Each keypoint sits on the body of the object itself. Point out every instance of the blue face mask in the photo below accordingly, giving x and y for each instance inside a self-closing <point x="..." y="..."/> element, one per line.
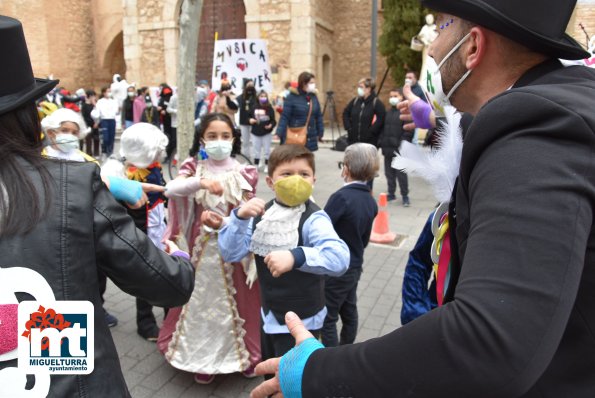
<point x="66" y="143"/>
<point x="218" y="150"/>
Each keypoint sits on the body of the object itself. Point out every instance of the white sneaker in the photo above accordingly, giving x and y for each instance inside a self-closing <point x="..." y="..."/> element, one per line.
<point x="266" y="169"/>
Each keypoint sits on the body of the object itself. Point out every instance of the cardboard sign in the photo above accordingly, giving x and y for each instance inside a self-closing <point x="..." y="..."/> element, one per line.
<point x="236" y="60"/>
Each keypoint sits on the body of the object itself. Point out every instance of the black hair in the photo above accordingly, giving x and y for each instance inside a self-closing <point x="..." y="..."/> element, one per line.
<point x="90" y="93"/>
<point x="414" y="74"/>
<point x="21" y="207"/>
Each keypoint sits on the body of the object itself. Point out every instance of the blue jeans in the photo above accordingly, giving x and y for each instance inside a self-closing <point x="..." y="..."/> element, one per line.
<point x="108" y="132"/>
<point x="128" y="123"/>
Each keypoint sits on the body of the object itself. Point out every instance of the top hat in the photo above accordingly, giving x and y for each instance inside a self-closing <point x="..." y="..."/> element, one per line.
<point x="17" y="84"/>
<point x="537" y="24"/>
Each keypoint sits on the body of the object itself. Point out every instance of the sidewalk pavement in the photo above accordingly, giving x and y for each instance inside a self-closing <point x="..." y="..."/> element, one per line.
<point x="379" y="294"/>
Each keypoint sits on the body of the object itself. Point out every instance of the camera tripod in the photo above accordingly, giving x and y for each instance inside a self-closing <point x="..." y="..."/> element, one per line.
<point x="333" y="121"/>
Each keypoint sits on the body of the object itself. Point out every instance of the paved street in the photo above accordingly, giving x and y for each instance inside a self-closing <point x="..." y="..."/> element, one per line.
<point x="379" y="302"/>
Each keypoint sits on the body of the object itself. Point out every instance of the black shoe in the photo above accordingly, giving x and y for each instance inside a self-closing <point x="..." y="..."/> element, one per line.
<point x="110" y="319"/>
<point x="406" y="202"/>
<point x="390" y="198"/>
<point x="150" y="333"/>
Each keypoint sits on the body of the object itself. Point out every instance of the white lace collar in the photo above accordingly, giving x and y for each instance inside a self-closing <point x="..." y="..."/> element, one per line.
<point x="234" y="186"/>
<point x="277" y="230"/>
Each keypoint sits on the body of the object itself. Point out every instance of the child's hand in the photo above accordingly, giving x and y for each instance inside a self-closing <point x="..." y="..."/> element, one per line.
<point x="211" y="219"/>
<point x="279" y="262"/>
<point x="252" y="208"/>
<point x="214" y="187"/>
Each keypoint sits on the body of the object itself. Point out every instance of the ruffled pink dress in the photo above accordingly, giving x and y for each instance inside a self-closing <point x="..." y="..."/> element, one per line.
<point x="218" y="330"/>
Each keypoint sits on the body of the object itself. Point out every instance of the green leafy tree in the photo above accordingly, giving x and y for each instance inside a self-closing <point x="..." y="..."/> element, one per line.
<point x="403" y="20"/>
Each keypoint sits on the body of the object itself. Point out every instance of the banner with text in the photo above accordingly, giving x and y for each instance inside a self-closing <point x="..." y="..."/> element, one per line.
<point x="236" y="60"/>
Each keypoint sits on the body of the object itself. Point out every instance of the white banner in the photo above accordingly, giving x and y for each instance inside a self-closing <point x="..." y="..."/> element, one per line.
<point x="236" y="60"/>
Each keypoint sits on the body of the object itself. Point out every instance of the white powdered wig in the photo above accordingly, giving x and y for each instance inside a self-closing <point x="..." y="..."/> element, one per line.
<point x="141" y="144"/>
<point x="113" y="167"/>
<point x="59" y="116"/>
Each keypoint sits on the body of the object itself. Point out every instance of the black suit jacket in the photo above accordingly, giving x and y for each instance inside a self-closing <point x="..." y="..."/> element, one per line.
<point x="521" y="322"/>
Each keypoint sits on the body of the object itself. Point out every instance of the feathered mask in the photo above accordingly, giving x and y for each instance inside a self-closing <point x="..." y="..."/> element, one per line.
<point x="439" y="167"/>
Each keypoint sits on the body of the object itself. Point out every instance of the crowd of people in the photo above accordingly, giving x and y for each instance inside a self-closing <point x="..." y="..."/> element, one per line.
<point x="257" y="287"/>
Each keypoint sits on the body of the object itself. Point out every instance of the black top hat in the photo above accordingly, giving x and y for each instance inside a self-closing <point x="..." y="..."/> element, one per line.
<point x="537" y="24"/>
<point x="17" y="84"/>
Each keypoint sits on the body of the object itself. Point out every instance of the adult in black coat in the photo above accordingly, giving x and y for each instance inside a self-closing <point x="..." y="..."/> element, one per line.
<point x="246" y="101"/>
<point x="363" y="116"/>
<point x="519" y="311"/>
<point x="59" y="224"/>
<point x="389" y="142"/>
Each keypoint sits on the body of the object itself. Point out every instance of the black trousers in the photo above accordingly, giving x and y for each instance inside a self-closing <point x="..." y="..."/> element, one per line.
<point x="392" y="175"/>
<point x="145" y="320"/>
<point x="341" y="300"/>
<point x="173" y="142"/>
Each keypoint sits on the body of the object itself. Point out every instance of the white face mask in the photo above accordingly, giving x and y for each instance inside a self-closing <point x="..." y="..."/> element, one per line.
<point x="393" y="101"/>
<point x="311" y="87"/>
<point x="218" y="150"/>
<point x="66" y="143"/>
<point x="409" y="82"/>
<point x="438" y="99"/>
<point x="360" y="92"/>
<point x="130" y="94"/>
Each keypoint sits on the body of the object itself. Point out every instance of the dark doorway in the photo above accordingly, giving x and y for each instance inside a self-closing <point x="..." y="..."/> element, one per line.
<point x="226" y="17"/>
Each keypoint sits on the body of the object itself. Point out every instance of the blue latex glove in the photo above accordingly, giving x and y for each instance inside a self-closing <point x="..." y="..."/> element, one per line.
<point x="125" y="190"/>
<point x="291" y="367"/>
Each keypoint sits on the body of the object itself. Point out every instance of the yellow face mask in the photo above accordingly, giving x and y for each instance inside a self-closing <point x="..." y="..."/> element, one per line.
<point x="293" y="190"/>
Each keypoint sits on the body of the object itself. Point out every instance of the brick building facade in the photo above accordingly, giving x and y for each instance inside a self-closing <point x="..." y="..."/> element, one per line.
<point x="84" y="42"/>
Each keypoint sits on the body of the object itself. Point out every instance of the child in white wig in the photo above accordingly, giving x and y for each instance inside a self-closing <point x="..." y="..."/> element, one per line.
<point x="142" y="146"/>
<point x="63" y="129"/>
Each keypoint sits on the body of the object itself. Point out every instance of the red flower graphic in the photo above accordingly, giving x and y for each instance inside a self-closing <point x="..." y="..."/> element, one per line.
<point x="43" y="319"/>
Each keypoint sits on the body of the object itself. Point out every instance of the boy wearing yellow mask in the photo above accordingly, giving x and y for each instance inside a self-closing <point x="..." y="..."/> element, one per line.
<point x="294" y="245"/>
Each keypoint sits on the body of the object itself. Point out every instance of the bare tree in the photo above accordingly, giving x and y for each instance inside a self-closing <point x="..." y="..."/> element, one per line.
<point x="189" y="28"/>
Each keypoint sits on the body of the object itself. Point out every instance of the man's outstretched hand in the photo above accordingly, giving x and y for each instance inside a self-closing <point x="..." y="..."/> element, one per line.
<point x="272" y="387"/>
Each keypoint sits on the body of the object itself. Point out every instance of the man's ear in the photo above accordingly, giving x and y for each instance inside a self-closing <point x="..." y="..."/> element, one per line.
<point x="476" y="47"/>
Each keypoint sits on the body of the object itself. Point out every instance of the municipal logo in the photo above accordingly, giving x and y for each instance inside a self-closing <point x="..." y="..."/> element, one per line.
<point x="56" y="336"/>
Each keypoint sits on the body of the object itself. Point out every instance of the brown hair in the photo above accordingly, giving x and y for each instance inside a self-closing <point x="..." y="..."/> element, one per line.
<point x="287" y="153"/>
<point x="304" y="78"/>
<point x="368" y="82"/>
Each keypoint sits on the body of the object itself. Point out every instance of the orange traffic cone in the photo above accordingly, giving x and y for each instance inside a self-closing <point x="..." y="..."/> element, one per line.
<point x="380" y="230"/>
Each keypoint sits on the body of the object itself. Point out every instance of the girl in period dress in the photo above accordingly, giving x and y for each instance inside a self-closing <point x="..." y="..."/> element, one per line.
<point x="218" y="330"/>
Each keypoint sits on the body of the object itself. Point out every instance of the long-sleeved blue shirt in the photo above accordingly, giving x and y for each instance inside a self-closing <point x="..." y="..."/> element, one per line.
<point x="322" y="253"/>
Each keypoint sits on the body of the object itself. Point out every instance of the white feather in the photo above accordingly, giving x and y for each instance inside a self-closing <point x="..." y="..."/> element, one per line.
<point x="113" y="167"/>
<point x="440" y="167"/>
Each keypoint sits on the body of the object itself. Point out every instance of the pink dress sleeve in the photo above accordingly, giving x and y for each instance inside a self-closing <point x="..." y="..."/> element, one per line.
<point x="188" y="167"/>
